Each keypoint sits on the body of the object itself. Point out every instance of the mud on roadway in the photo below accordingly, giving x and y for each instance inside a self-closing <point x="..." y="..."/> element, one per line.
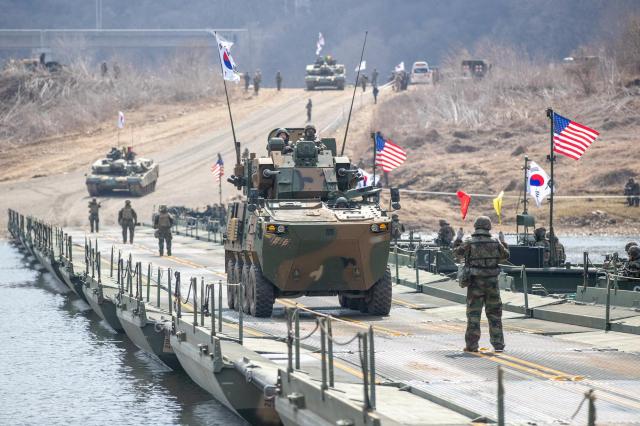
<point x="47" y="179"/>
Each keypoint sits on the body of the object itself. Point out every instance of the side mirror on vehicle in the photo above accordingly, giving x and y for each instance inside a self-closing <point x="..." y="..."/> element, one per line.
<point x="395" y="198"/>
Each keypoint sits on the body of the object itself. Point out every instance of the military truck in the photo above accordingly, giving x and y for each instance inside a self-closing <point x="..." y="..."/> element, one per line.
<point x="122" y="171"/>
<point x="325" y="73"/>
<point x="304" y="229"/>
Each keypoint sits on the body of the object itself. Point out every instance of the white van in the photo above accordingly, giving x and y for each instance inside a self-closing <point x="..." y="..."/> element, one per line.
<point x="421" y="73"/>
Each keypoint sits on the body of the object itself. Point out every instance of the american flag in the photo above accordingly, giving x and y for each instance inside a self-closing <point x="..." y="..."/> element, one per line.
<point x="571" y="139"/>
<point x="388" y="155"/>
<point x="217" y="168"/>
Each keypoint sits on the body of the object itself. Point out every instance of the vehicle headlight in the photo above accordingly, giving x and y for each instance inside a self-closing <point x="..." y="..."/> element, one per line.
<point x="273" y="228"/>
<point x="379" y="227"/>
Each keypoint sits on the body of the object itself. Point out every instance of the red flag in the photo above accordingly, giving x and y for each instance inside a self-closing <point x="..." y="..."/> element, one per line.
<point x="465" y="199"/>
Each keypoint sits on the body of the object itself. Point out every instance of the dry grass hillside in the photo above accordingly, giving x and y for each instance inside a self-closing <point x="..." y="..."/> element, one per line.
<point x="473" y="135"/>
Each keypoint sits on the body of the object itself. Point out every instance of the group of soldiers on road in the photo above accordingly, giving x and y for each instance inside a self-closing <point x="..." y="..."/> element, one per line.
<point x="128" y="220"/>
<point x="632" y="191"/>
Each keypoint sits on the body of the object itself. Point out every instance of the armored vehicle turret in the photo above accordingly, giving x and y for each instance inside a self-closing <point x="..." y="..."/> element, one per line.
<point x="304" y="229"/>
<point x="325" y="73"/>
<point x="121" y="170"/>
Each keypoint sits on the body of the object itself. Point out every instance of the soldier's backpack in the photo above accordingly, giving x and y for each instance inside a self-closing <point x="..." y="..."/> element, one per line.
<point x="127" y="213"/>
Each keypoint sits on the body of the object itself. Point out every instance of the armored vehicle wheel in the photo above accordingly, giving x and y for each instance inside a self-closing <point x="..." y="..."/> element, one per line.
<point x="378" y="298"/>
<point x="310" y="86"/>
<point x="261" y="295"/>
<point x="340" y="87"/>
<point x="231" y="289"/>
<point x="136" y="190"/>
<point x="344" y="301"/>
<point x="237" y="276"/>
<point x="246" y="290"/>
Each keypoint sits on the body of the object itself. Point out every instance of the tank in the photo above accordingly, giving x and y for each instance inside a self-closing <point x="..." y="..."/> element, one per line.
<point x="123" y="172"/>
<point x="303" y="228"/>
<point x="325" y="73"/>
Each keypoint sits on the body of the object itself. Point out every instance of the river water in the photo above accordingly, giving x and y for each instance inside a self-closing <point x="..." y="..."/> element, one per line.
<point x="59" y="364"/>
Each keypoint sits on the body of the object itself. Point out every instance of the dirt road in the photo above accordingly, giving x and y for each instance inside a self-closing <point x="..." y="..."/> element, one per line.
<point x="185" y="147"/>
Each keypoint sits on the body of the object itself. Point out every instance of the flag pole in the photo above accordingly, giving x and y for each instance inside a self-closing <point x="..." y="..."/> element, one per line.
<point x="220" y="188"/>
<point x="552" y="159"/>
<point x="226" y="93"/>
<point x="355" y="87"/>
<point x="373" y="136"/>
<point x="524" y="188"/>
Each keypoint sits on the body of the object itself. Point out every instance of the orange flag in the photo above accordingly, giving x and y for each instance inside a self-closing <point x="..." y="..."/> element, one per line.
<point x="465" y="199"/>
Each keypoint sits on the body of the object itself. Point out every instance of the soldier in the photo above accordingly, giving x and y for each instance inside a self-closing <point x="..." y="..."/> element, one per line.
<point x="94" y="217"/>
<point x="375" y="94"/>
<point x="632" y="267"/>
<point x="247" y="80"/>
<point x="284" y="135"/>
<point x="116" y="70"/>
<point x="445" y="234"/>
<point x="397" y="228"/>
<point x="257" y="79"/>
<point x="127" y="219"/>
<point x="629" y="245"/>
<point x="363" y="82"/>
<point x="561" y="256"/>
<point x="104" y="70"/>
<point x="636" y="194"/>
<point x="459" y="237"/>
<point x="540" y="235"/>
<point x="481" y="255"/>
<point x="309" y="132"/>
<point x="162" y="223"/>
<point x="309" y="107"/>
<point x="628" y="191"/>
<point x="278" y="80"/>
<point x="374" y="78"/>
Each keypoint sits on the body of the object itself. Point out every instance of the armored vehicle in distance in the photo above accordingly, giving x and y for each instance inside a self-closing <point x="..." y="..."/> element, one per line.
<point x="304" y="229"/>
<point x="120" y="170"/>
<point x="325" y="73"/>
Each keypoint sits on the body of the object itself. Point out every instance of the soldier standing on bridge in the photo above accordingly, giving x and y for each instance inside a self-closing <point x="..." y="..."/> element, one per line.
<point x="309" y="107"/>
<point x="397" y="228"/>
<point x="257" y="79"/>
<point x="445" y="234"/>
<point x="162" y="223"/>
<point x="94" y="217"/>
<point x="481" y="255"/>
<point x="127" y="219"/>
<point x="247" y="80"/>
<point x="375" y="94"/>
<point x="374" y="78"/>
<point x="278" y="80"/>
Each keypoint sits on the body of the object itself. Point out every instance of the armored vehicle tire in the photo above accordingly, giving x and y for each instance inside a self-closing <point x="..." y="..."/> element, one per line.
<point x="231" y="296"/>
<point x="378" y="298"/>
<point x="237" y="276"/>
<point x="260" y="293"/>
<point x="340" y="87"/>
<point x="344" y="301"/>
<point x="310" y="86"/>
<point x="246" y="291"/>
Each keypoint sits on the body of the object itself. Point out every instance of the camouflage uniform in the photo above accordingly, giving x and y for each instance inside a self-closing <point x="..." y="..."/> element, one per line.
<point x="482" y="254"/>
<point x="309" y="107"/>
<point x="540" y="235"/>
<point x="278" y="80"/>
<point x="163" y="222"/>
<point x="247" y="80"/>
<point x="397" y="228"/>
<point x="127" y="219"/>
<point x="94" y="217"/>
<point x="561" y="256"/>
<point x="445" y="234"/>
<point x="632" y="267"/>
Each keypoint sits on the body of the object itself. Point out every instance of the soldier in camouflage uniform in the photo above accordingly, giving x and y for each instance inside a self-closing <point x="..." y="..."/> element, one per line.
<point x="632" y="267"/>
<point x="127" y="219"/>
<point x="397" y="228"/>
<point x="561" y="256"/>
<point x="162" y="223"/>
<point x="540" y="235"/>
<point x="482" y="254"/>
<point x="445" y="234"/>
<point x="94" y="215"/>
<point x="628" y="246"/>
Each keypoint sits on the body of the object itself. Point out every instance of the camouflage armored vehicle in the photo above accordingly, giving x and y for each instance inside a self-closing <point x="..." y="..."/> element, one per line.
<point x="325" y="73"/>
<point x="303" y="229"/>
<point x="122" y="171"/>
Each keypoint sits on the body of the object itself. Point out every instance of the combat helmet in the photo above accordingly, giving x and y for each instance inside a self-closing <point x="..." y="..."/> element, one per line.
<point x="442" y="222"/>
<point x="127" y="202"/>
<point x="307" y="129"/>
<point x="482" y="222"/>
<point x="394" y="217"/>
<point x="281" y="131"/>
<point x="540" y="232"/>
<point x="629" y="245"/>
<point x="634" y="252"/>
<point x="163" y="208"/>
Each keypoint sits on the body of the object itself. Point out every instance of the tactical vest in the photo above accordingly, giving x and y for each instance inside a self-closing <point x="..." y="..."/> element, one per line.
<point x="164" y="220"/>
<point x="127" y="213"/>
<point x="484" y="258"/>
